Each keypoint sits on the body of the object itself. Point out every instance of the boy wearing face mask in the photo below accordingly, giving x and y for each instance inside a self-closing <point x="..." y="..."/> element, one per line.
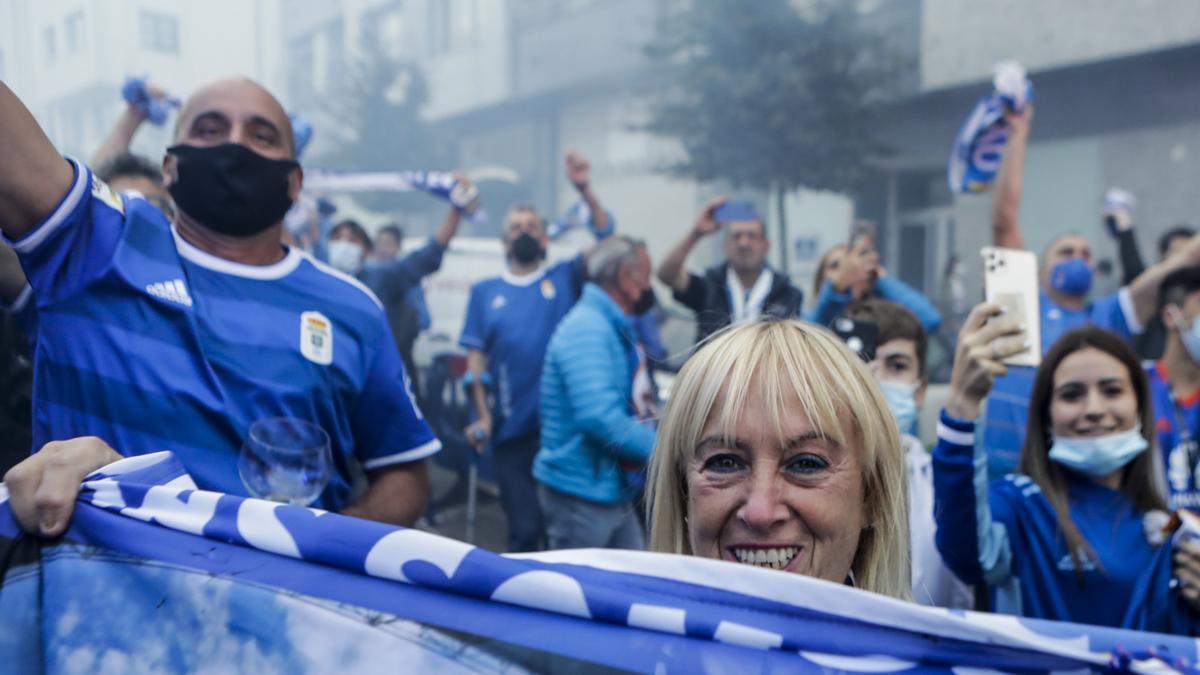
<point x="898" y="364"/>
<point x="509" y="322"/>
<point x="1066" y="278"/>
<point x="1175" y="386"/>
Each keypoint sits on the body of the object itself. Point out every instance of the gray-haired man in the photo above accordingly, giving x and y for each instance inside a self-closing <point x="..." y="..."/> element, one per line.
<point x="591" y="438"/>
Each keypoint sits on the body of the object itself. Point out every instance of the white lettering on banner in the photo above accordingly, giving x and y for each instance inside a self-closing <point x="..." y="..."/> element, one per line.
<point x="163" y="505"/>
<point x="387" y="557"/>
<point x="543" y="589"/>
<point x="990" y="149"/>
<point x="657" y="617"/>
<point x="260" y="527"/>
<point x="747" y="636"/>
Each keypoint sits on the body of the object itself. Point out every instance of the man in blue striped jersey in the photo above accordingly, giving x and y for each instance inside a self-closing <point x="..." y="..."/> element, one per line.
<point x="179" y="335"/>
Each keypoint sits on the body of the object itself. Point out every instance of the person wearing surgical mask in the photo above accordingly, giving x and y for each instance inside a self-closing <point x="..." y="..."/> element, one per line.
<point x="1175" y="386"/>
<point x="898" y="364"/>
<point x="350" y="251"/>
<point x="1077" y="532"/>
<point x="509" y="321"/>
<point x="1066" y="301"/>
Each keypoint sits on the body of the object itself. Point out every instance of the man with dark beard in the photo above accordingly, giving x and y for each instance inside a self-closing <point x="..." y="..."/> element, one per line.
<point x="509" y="322"/>
<point x="179" y="335"/>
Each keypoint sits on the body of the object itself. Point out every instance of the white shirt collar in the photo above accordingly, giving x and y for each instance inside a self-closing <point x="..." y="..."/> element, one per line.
<point x="276" y="270"/>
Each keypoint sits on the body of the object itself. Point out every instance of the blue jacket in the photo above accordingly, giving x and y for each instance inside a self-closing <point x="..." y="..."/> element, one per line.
<point x="831" y="304"/>
<point x="588" y="422"/>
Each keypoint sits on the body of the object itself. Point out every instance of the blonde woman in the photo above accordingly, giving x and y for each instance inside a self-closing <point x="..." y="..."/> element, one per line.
<point x="777" y="449"/>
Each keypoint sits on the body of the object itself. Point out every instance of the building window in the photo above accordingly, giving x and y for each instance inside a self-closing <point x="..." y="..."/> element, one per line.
<point x="51" y="47"/>
<point x="453" y="25"/>
<point x="158" y="32"/>
<point x="74" y="31"/>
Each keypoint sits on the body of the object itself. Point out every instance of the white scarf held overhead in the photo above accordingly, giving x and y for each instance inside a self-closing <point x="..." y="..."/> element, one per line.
<point x="747" y="306"/>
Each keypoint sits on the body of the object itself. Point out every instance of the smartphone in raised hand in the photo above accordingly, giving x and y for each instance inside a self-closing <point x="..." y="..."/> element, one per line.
<point x="860" y="336"/>
<point x="1010" y="279"/>
<point x="733" y="211"/>
<point x="862" y="231"/>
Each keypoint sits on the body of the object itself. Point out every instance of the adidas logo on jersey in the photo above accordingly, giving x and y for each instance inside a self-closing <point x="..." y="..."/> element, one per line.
<point x="172" y="290"/>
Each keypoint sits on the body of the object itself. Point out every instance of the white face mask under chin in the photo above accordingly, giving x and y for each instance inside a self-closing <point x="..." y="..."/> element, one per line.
<point x="1099" y="455"/>
<point x="345" y="256"/>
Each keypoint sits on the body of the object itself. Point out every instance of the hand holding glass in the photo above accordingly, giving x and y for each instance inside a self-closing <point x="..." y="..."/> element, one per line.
<point x="285" y="460"/>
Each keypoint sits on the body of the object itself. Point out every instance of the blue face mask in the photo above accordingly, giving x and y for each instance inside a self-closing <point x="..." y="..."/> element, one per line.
<point x="1073" y="277"/>
<point x="1100" y="455"/>
<point x="902" y="401"/>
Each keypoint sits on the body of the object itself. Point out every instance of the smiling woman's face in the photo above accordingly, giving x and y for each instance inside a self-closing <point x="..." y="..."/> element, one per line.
<point x="792" y="501"/>
<point x="1092" y="396"/>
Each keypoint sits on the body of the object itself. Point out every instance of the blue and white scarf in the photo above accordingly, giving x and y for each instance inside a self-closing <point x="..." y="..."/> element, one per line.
<point x="979" y="146"/>
<point x="441" y="184"/>
<point x="136" y="93"/>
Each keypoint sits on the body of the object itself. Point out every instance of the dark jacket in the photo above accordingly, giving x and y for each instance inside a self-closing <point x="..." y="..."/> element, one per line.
<point x="708" y="297"/>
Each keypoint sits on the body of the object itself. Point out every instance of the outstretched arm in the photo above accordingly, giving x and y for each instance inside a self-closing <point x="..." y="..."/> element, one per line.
<point x="579" y="172"/>
<point x="1006" y="202"/>
<point x="671" y="271"/>
<point x="1143" y="292"/>
<point x="120" y="137"/>
<point x="31" y="187"/>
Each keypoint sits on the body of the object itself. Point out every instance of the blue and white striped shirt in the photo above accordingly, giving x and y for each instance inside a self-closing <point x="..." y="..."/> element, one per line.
<point x="151" y="343"/>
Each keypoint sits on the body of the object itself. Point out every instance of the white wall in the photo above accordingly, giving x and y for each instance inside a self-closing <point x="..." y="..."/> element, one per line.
<point x="961" y="39"/>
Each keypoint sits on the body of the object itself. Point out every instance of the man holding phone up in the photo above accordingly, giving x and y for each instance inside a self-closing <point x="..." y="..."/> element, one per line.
<point x="1064" y="300"/>
<point x="740" y="288"/>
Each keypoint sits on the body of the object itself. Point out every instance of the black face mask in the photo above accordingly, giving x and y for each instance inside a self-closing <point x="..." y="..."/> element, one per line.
<point x="645" y="302"/>
<point x="230" y="188"/>
<point x="526" y="249"/>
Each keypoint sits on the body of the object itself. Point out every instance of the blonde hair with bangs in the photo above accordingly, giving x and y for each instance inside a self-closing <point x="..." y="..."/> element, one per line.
<point x="839" y="395"/>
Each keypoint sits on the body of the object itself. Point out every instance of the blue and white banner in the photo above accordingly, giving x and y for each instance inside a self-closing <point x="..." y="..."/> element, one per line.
<point x="979" y="147"/>
<point x="137" y="93"/>
<point x="577" y="215"/>
<point x="441" y="184"/>
<point x="157" y="576"/>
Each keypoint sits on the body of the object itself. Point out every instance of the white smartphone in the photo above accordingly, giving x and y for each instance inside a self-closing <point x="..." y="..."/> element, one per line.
<point x="1010" y="279"/>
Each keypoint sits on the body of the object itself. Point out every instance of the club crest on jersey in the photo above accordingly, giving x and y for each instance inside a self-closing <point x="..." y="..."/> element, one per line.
<point x="316" y="338"/>
<point x="548" y="291"/>
<point x="101" y="191"/>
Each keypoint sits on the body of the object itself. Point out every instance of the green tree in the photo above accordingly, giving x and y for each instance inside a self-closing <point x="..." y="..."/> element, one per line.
<point x="773" y="94"/>
<point x="377" y="125"/>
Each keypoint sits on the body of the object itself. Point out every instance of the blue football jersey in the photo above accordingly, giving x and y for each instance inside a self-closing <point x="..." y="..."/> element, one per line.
<point x="152" y="344"/>
<point x="511" y="319"/>
<point x="1176" y="421"/>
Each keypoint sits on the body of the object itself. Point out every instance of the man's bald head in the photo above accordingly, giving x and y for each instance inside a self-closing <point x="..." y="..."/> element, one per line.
<point x="236" y="110"/>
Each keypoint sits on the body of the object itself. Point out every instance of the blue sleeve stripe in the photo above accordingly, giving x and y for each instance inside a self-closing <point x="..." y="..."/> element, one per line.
<point x="410" y="455"/>
<point x="57" y="217"/>
<point x="1125" y="302"/>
